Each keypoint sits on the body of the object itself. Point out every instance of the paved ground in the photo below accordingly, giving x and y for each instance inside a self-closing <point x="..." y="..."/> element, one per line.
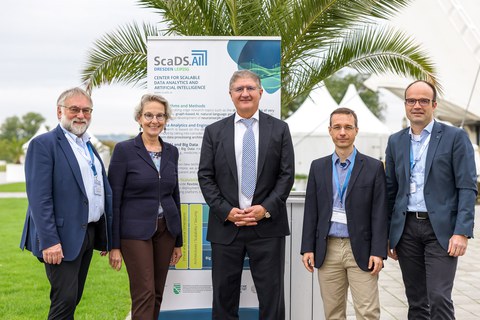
<point x="466" y="292"/>
<point x="13" y="194"/>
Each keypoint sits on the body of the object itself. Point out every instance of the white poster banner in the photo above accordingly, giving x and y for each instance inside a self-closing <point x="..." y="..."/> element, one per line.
<point x="193" y="74"/>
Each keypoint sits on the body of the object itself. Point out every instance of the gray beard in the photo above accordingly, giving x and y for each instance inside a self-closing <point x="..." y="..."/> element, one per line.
<point x="77" y="130"/>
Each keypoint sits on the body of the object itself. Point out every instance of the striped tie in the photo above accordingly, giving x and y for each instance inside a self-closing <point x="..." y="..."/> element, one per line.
<point x="249" y="164"/>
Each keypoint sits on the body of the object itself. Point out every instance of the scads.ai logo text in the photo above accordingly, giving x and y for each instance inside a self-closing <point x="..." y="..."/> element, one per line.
<point x="197" y="58"/>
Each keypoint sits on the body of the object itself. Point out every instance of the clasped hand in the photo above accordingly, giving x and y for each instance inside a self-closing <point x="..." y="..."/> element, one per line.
<point x="247" y="217"/>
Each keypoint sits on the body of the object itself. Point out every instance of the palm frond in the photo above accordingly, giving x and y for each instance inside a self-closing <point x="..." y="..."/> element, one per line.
<point x="319" y="37"/>
<point x="119" y="56"/>
<point x="371" y="51"/>
<point x="382" y="50"/>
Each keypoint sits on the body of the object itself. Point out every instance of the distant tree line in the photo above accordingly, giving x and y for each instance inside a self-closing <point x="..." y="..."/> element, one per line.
<point x="14" y="132"/>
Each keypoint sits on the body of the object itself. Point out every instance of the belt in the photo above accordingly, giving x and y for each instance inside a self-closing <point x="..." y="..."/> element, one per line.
<point x="419" y="214"/>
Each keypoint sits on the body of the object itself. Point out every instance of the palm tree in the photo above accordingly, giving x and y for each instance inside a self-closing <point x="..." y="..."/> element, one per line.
<point x="319" y="38"/>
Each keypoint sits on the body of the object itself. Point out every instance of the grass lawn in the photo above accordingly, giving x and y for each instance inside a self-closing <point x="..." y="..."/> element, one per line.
<point x="13" y="187"/>
<point x="24" y="288"/>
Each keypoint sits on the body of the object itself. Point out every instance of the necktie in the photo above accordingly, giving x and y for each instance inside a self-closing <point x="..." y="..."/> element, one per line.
<point x="249" y="164"/>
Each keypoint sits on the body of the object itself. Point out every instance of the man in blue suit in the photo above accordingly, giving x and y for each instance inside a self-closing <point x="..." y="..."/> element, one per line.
<point x="431" y="187"/>
<point x="69" y="202"/>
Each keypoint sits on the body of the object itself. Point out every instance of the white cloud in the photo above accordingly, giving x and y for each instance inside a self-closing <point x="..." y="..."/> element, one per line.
<point x="43" y="48"/>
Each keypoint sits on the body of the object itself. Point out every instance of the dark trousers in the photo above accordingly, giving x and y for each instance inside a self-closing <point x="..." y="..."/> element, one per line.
<point x="67" y="280"/>
<point x="428" y="272"/>
<point x="267" y="265"/>
<point x="147" y="263"/>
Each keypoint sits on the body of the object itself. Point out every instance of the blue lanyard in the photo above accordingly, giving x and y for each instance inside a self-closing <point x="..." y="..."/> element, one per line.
<point x="93" y="159"/>
<point x="341" y="189"/>
<point x="413" y="161"/>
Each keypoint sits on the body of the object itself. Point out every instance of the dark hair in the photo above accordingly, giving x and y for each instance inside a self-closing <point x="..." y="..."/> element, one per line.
<point x="344" y="111"/>
<point x="427" y="83"/>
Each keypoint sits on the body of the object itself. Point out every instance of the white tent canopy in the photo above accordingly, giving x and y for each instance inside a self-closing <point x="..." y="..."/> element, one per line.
<point x="43" y="129"/>
<point x="372" y="135"/>
<point x="312" y="115"/>
<point x="367" y="121"/>
<point x="449" y="32"/>
<point x="309" y="128"/>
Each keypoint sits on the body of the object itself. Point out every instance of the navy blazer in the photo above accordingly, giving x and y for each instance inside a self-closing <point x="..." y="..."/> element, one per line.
<point x="57" y="202"/>
<point x="365" y="206"/>
<point x="450" y="182"/>
<point x="138" y="188"/>
<point x="218" y="179"/>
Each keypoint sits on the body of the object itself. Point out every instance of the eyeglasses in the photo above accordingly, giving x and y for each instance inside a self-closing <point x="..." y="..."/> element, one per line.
<point x="422" y="102"/>
<point x="346" y="128"/>
<point x="149" y="116"/>
<point x="242" y="89"/>
<point x="77" y="110"/>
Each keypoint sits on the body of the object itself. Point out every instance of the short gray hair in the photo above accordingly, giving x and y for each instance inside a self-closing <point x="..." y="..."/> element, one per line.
<point x="71" y="93"/>
<point x="245" y="74"/>
<point x="138" y="111"/>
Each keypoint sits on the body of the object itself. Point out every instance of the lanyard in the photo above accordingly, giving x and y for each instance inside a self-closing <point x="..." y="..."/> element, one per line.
<point x="93" y="159"/>
<point x="341" y="189"/>
<point x="413" y="161"/>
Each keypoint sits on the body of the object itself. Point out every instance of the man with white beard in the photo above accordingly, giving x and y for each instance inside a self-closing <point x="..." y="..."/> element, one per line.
<point x="69" y="202"/>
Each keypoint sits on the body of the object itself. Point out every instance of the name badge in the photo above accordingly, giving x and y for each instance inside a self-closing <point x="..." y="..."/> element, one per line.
<point x="97" y="188"/>
<point x="339" y="216"/>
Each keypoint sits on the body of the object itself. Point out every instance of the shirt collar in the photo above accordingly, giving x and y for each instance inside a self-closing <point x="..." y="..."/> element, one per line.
<point x="426" y="131"/>
<point x="255" y="116"/>
<point x="336" y="159"/>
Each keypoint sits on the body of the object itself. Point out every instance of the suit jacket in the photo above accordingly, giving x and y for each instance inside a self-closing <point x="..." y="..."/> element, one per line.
<point x="138" y="188"/>
<point x="57" y="202"/>
<point x="450" y="182"/>
<point x="365" y="207"/>
<point x="217" y="176"/>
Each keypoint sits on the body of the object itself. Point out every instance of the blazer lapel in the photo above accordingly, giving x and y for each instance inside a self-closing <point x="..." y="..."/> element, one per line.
<point x="435" y="137"/>
<point x="228" y="145"/>
<point x="265" y="129"/>
<point x="327" y="179"/>
<point x="166" y="155"/>
<point x="71" y="159"/>
<point x="142" y="152"/>
<point x="405" y="145"/>
<point x="357" y="167"/>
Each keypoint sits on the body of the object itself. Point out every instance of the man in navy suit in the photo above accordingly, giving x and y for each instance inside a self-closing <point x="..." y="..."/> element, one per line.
<point x="69" y="202"/>
<point x="247" y="200"/>
<point x="345" y="223"/>
<point x="431" y="186"/>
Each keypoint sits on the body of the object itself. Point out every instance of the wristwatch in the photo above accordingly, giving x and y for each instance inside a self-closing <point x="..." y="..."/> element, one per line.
<point x="267" y="215"/>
